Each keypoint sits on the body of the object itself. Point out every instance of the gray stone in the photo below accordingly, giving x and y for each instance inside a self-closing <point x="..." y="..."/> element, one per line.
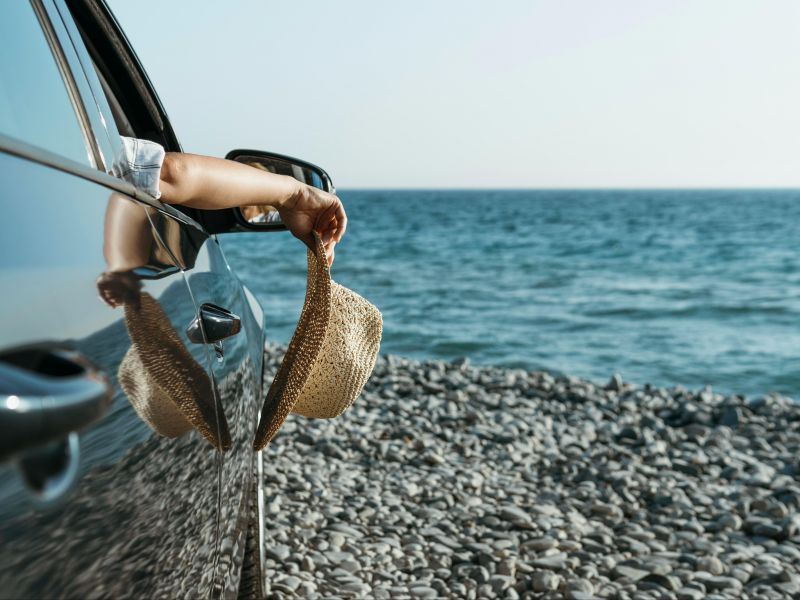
<point x="335" y="557"/>
<point x="350" y="566"/>
<point x="634" y="575"/>
<point x="741" y="574"/>
<point x="722" y="583"/>
<point x="507" y="566"/>
<point x="610" y="510"/>
<point x="578" y="595"/>
<point x="731" y="416"/>
<point x="540" y="544"/>
<point x="687" y="593"/>
<point x="291" y="582"/>
<point x="711" y="564"/>
<point x="500" y="583"/>
<point x="356" y="587"/>
<point x="615" y="383"/>
<point x="278" y="552"/>
<point x="667" y="582"/>
<point x="545" y="581"/>
<point x="555" y="561"/>
<point x="422" y="591"/>
<point x="789" y="588"/>
<point x="479" y="575"/>
<point x="580" y="585"/>
<point x="513" y="513"/>
<point x="766" y="529"/>
<point x="306" y="564"/>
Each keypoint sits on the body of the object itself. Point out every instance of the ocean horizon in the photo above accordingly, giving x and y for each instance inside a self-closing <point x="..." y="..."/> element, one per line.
<point x="690" y="287"/>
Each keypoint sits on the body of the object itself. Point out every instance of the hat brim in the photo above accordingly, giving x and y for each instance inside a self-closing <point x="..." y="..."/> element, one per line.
<point x="303" y="350"/>
<point x="165" y="359"/>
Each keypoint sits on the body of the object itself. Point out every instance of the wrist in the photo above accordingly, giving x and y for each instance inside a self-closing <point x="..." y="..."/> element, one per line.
<point x="295" y="192"/>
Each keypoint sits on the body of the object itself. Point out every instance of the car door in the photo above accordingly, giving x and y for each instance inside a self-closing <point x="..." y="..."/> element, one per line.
<point x="110" y="433"/>
<point x="232" y="321"/>
<point x="234" y="331"/>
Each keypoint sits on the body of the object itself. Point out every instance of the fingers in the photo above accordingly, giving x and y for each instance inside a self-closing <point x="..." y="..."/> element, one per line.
<point x="330" y="252"/>
<point x="324" y="221"/>
<point x="332" y="222"/>
<point x="341" y="222"/>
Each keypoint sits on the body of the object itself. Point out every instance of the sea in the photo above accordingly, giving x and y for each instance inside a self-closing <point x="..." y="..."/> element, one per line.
<point x="679" y="287"/>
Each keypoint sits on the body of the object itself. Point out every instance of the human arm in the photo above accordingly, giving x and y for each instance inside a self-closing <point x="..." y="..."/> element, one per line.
<point x="127" y="244"/>
<point x="213" y="183"/>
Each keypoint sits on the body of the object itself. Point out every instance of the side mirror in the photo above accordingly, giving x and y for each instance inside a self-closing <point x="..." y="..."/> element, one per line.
<point x="263" y="217"/>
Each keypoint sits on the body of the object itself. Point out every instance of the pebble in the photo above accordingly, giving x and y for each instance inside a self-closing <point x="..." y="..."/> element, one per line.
<point x="687" y="593"/>
<point x="423" y="591"/>
<point x="479" y="575"/>
<point x="556" y="561"/>
<point x="580" y="585"/>
<point x="722" y="583"/>
<point x="513" y="513"/>
<point x="278" y="552"/>
<point x="540" y="544"/>
<point x="455" y="480"/>
<point x="710" y="564"/>
<point x="630" y="573"/>
<point x="545" y="581"/>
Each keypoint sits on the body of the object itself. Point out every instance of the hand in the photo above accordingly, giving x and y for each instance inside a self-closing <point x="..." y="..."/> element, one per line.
<point x="118" y="288"/>
<point x="310" y="210"/>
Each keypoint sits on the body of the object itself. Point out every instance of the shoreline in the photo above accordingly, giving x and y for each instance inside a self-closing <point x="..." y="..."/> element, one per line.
<point x="448" y="480"/>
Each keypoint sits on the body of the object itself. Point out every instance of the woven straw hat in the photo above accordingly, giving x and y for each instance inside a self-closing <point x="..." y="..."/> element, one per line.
<point x="149" y="401"/>
<point x="168" y="389"/>
<point x="331" y="355"/>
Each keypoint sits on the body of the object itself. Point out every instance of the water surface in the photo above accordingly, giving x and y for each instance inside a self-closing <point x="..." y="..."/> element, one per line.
<point x="665" y="287"/>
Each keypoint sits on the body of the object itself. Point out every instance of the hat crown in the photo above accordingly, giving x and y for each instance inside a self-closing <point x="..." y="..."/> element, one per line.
<point x="331" y="354"/>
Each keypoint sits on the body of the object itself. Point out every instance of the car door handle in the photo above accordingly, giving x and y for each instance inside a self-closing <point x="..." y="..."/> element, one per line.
<point x="47" y="395"/>
<point x="216" y="322"/>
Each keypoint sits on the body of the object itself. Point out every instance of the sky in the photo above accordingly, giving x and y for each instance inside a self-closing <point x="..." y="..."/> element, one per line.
<point x="507" y="94"/>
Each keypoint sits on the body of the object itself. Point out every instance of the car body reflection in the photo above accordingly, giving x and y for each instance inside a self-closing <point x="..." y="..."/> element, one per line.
<point x="142" y="516"/>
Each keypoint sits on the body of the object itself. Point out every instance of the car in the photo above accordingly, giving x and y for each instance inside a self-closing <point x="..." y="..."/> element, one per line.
<point x="131" y="356"/>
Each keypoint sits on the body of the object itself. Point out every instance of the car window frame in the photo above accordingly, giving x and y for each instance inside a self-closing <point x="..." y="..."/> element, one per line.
<point x="95" y="19"/>
<point x="92" y="169"/>
<point x="95" y="168"/>
<point x="105" y="24"/>
<point x="93" y="156"/>
<point x="91" y="92"/>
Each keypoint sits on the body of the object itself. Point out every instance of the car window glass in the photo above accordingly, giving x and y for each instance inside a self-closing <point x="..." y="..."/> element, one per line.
<point x="35" y="106"/>
<point x="93" y="91"/>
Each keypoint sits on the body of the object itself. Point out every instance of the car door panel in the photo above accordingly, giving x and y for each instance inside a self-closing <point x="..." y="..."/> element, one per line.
<point x="141" y="516"/>
<point x="236" y="364"/>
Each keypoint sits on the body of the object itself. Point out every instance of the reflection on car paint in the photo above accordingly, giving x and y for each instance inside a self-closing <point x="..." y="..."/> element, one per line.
<point x="169" y="390"/>
<point x="237" y="379"/>
<point x="141" y="519"/>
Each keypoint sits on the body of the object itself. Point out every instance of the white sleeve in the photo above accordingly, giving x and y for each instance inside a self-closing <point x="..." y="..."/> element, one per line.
<point x="141" y="164"/>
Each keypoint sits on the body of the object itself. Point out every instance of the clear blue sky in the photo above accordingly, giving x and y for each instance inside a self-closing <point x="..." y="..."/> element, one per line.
<point x="514" y="93"/>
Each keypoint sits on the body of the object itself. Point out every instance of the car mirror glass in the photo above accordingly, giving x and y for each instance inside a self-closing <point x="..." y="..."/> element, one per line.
<point x="262" y="216"/>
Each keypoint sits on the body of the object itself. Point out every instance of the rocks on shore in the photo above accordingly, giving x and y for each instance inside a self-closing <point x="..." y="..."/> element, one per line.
<point x="446" y="480"/>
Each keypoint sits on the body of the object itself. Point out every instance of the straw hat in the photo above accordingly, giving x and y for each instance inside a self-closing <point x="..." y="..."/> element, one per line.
<point x="168" y="389"/>
<point x="330" y="357"/>
<point x="149" y="401"/>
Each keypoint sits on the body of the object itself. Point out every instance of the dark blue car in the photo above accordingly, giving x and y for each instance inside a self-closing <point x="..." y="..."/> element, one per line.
<point x="130" y="354"/>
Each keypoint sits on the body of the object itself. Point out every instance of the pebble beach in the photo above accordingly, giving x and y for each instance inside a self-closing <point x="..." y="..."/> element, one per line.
<point x="446" y="480"/>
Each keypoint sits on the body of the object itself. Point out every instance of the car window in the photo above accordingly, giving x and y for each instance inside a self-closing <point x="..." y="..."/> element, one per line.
<point x="35" y="105"/>
<point x="128" y="94"/>
<point x="80" y="65"/>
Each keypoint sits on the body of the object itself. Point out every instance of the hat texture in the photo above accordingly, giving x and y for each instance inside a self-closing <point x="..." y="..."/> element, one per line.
<point x="168" y="389"/>
<point x="331" y="354"/>
<point x="149" y="401"/>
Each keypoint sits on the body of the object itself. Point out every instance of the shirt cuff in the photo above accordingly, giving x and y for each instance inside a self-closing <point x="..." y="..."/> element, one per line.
<point x="141" y="164"/>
